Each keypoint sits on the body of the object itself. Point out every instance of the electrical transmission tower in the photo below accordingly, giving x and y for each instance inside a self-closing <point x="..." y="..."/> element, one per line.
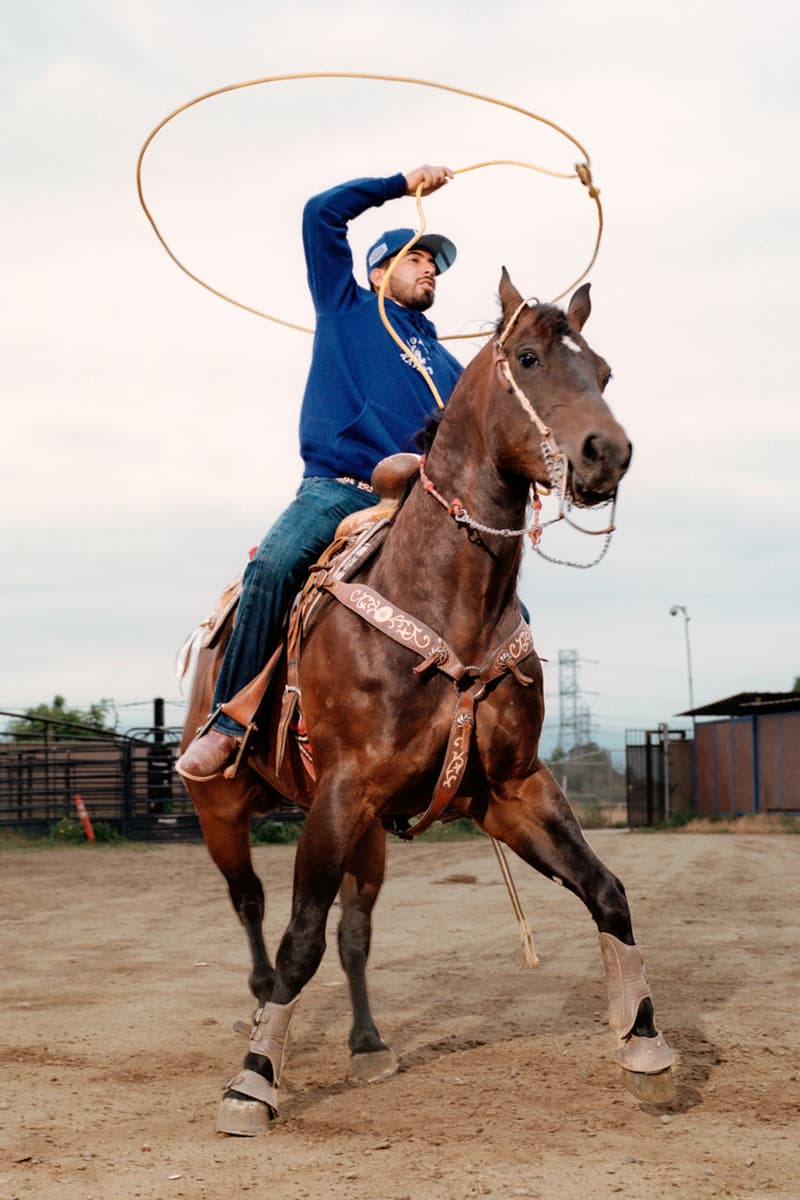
<point x="574" y="717"/>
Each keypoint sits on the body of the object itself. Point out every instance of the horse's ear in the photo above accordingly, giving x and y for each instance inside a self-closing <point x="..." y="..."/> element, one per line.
<point x="509" y="296"/>
<point x="579" y="308"/>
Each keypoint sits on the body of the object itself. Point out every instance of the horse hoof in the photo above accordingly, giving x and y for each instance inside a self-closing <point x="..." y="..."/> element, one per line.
<point x="650" y="1089"/>
<point x="372" y="1067"/>
<point x="241" y="1117"/>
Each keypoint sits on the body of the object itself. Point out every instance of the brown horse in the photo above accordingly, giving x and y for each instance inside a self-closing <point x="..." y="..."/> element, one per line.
<point x="382" y="731"/>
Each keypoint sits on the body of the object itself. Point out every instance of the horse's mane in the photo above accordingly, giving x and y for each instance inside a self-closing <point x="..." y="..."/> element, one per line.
<point x="424" y="439"/>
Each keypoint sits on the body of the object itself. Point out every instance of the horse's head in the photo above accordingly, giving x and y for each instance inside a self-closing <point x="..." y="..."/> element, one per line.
<point x="555" y="383"/>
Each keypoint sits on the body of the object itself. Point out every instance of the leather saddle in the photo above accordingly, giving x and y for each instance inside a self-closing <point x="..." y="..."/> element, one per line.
<point x="357" y="539"/>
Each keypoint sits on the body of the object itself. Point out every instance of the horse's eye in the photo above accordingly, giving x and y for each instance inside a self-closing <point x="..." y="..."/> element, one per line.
<point x="528" y="359"/>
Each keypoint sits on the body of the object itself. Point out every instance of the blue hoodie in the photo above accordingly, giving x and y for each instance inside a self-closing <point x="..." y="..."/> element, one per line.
<point x="364" y="398"/>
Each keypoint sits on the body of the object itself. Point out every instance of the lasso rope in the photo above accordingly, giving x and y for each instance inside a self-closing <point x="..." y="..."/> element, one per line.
<point x="582" y="173"/>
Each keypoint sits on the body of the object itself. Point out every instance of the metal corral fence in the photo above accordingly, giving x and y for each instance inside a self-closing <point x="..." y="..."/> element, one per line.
<point x="593" y="783"/>
<point x="126" y="781"/>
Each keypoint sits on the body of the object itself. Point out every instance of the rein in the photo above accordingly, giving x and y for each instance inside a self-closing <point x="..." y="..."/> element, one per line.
<point x="461" y="516"/>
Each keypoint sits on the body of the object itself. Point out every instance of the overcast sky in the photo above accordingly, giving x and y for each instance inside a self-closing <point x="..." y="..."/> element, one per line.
<point x="149" y="431"/>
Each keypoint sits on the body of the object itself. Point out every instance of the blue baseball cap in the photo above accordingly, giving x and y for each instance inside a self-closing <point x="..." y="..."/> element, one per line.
<point x="389" y="243"/>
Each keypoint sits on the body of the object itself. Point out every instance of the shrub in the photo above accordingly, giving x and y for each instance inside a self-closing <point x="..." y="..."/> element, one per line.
<point x="69" y="832"/>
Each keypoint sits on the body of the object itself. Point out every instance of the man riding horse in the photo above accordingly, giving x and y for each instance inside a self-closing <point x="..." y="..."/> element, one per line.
<point x="363" y="401"/>
<point x="457" y="732"/>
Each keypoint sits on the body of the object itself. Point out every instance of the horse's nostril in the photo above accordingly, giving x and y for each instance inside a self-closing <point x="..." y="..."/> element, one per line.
<point x="598" y="450"/>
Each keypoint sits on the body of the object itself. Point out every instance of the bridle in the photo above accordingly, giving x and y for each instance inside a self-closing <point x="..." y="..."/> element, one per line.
<point x="555" y="460"/>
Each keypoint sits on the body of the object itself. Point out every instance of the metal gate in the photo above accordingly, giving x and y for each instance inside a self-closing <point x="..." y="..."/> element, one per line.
<point x="642" y="777"/>
<point x="649" y="773"/>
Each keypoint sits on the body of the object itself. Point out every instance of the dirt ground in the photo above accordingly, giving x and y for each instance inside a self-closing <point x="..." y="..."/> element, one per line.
<point x="123" y="970"/>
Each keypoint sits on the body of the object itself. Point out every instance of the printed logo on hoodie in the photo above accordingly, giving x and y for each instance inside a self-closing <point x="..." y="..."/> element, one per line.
<point x="420" y="348"/>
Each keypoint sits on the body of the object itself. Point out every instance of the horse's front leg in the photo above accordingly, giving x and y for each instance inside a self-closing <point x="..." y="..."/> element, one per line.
<point x="371" y="1059"/>
<point x="534" y="818"/>
<point x="332" y="829"/>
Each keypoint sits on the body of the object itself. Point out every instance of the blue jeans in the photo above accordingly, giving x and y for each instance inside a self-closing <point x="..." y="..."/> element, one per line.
<point x="275" y="575"/>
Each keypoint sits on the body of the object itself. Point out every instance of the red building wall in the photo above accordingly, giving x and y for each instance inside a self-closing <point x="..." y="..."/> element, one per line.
<point x="748" y="764"/>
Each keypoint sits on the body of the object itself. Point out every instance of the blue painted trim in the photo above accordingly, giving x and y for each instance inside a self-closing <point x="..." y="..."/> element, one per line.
<point x="780" y="762"/>
<point x="756" y="769"/>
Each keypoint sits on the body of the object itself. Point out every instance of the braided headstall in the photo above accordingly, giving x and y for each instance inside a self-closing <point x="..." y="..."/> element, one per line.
<point x="555" y="460"/>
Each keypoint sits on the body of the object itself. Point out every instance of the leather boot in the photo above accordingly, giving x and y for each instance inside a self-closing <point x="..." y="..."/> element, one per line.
<point x="206" y="755"/>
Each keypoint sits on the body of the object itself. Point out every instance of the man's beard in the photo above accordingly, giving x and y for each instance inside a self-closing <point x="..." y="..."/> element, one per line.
<point x="421" y="303"/>
<point x="409" y="297"/>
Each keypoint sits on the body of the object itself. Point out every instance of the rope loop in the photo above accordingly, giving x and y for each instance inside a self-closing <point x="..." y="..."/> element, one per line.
<point x="582" y="171"/>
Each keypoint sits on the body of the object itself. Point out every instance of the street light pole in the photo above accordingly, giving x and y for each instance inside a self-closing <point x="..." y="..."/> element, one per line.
<point x="673" y="612"/>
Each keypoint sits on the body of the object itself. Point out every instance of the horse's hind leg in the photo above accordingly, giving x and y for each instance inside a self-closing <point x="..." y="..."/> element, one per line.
<point x="371" y="1058"/>
<point x="224" y="813"/>
<point x="533" y="817"/>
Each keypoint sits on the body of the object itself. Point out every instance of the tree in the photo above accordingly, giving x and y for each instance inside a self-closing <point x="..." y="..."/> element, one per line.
<point x="796" y="687"/>
<point x="60" y="723"/>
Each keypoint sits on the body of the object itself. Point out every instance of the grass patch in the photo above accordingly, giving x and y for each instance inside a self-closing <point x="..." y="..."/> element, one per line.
<point x="270" y="832"/>
<point x="452" y="831"/>
<point x="16" y="839"/>
<point x="66" y="832"/>
<point x="740" y="823"/>
<point x="678" y="820"/>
